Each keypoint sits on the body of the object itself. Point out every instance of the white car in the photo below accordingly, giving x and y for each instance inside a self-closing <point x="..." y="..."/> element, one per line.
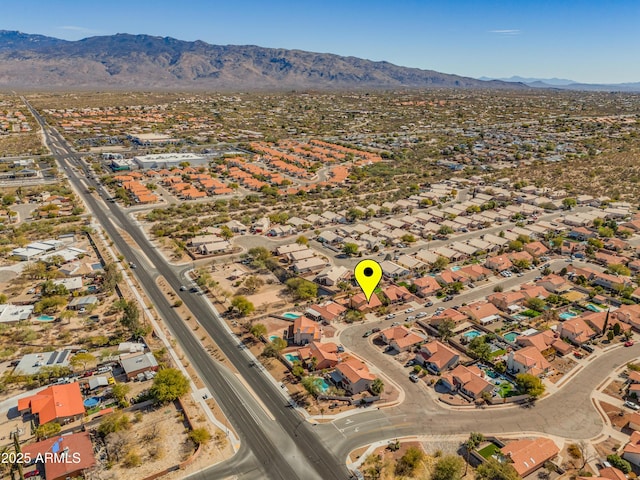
<point x="410" y="310"/>
<point x="421" y="314"/>
<point x="631" y="405"/>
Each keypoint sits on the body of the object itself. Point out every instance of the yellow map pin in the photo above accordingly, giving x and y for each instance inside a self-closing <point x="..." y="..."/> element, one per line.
<point x="368" y="274"/>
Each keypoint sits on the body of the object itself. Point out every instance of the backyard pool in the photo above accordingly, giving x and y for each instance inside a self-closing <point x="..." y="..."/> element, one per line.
<point x="324" y="386"/>
<point x="292" y="357"/>
<point x="567" y="315"/>
<point x="503" y="386"/>
<point x="511" y="336"/>
<point x="273" y="337"/>
<point x="519" y="317"/>
<point x="455" y="269"/>
<point x="45" y="318"/>
<point x="96" y="266"/>
<point x="291" y="315"/>
<point x="471" y="334"/>
<point x="594" y="308"/>
<point x="92" y="402"/>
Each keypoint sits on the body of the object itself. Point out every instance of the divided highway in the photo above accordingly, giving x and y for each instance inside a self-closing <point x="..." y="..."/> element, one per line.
<point x="287" y="448"/>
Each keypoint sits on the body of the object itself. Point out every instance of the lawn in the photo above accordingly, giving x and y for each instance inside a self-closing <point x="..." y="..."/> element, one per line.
<point x="489" y="450"/>
<point x="497" y="353"/>
<point x="530" y="313"/>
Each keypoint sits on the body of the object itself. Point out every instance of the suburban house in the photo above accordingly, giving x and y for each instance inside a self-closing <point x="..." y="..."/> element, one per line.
<point x="447" y="277"/>
<point x="332" y="275"/>
<point x="481" y="312"/>
<point x="610" y="282"/>
<point x="608" y="473"/>
<point x="467" y="380"/>
<point x="498" y="263"/>
<point x="426" y="286"/>
<point x="634" y="421"/>
<point x="400" y="338"/>
<point x="303" y="331"/>
<point x="75" y="453"/>
<point x="311" y="264"/>
<point x="629" y="314"/>
<point x="359" y="302"/>
<point x="554" y="283"/>
<point x="449" y="314"/>
<point x="596" y="320"/>
<point x="475" y="272"/>
<point x="326" y="355"/>
<point x="325" y="312"/>
<point x="353" y="376"/>
<point x="631" y="451"/>
<point x="536" y="249"/>
<point x="437" y="357"/>
<point x="398" y="294"/>
<point x="545" y="342"/>
<point x="58" y="403"/>
<point x="507" y="301"/>
<point x="529" y="455"/>
<point x="576" y="330"/>
<point x="138" y="363"/>
<point x="527" y="360"/>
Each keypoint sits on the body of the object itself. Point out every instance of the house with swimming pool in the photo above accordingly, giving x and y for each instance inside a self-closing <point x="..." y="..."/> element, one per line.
<point x="576" y="330"/>
<point x="304" y="330"/>
<point x="57" y="403"/>
<point x="481" y="312"/>
<point x="527" y="360"/>
<point x="353" y="376"/>
<point x="469" y="381"/>
<point x="400" y="338"/>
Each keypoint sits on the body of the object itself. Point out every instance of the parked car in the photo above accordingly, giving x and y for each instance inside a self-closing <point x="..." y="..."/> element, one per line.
<point x="375" y="330"/>
<point x="410" y="318"/>
<point x="448" y="298"/>
<point x="421" y="314"/>
<point x="588" y="348"/>
<point x="410" y="363"/>
<point x="183" y="288"/>
<point x="390" y="316"/>
<point x="340" y="349"/>
<point x="409" y="310"/>
<point x="631" y="405"/>
<point x="429" y="303"/>
<point x="395" y="324"/>
<point x="368" y="333"/>
<point x="628" y="343"/>
<point x="414" y="378"/>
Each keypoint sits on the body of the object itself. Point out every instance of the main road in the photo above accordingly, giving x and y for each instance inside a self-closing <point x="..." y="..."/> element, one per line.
<point x="277" y="444"/>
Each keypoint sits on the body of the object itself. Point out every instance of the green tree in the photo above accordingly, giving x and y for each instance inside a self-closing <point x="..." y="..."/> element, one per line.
<point x="409" y="462"/>
<point x="473" y="442"/>
<point x="569" y="202"/>
<point x="619" y="269"/>
<point x="302" y="289"/>
<point x="522" y="263"/>
<point x="131" y="317"/>
<point x="200" y="436"/>
<point x="120" y="392"/>
<point x="47" y="430"/>
<point x="530" y="384"/>
<point x="274" y="348"/>
<point x="253" y="283"/>
<point x="619" y="463"/>
<point x="516" y="245"/>
<point x="114" y="422"/>
<point x="492" y="469"/>
<point x="610" y="335"/>
<point x="480" y="349"/>
<point x="408" y="238"/>
<point x="313" y="385"/>
<point x="448" y="467"/>
<point x="377" y="387"/>
<point x="617" y="329"/>
<point x="440" y="264"/>
<point x="445" y="329"/>
<point x="82" y="359"/>
<point x="258" y="330"/>
<point x="302" y="240"/>
<point x="536" y="304"/>
<point x="242" y="305"/>
<point x="168" y="385"/>
<point x="350" y="249"/>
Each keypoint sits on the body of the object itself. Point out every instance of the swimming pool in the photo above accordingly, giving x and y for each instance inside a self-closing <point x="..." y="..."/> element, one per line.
<point x="292" y="357"/>
<point x="471" y="334"/>
<point x="273" y="337"/>
<point x="92" y="402"/>
<point x="511" y="336"/>
<point x="291" y="315"/>
<point x="324" y="386"/>
<point x="96" y="266"/>
<point x="567" y="315"/>
<point x="455" y="269"/>
<point x="45" y="318"/>
<point x="593" y="307"/>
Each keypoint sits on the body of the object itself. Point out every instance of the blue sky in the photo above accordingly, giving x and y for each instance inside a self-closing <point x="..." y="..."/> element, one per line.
<point x="588" y="40"/>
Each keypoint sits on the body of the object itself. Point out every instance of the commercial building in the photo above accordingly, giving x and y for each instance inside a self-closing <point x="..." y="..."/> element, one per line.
<point x="168" y="160"/>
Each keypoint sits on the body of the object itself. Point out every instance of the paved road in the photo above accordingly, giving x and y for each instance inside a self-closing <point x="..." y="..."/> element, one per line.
<point x="284" y="448"/>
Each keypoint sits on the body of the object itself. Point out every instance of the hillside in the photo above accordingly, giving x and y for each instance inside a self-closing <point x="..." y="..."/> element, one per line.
<point x="142" y="61"/>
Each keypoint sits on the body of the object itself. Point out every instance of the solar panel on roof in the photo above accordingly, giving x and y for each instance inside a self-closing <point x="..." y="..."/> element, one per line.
<point x="64" y="354"/>
<point x="52" y="358"/>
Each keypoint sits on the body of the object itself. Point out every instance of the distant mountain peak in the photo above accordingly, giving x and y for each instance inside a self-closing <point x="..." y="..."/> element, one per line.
<point x="128" y="61"/>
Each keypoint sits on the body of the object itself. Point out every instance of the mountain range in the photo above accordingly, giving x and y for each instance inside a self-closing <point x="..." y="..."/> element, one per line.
<point x="565" y="84"/>
<point x="147" y="62"/>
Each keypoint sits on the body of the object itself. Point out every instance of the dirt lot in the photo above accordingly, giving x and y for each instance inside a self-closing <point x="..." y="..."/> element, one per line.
<point x="561" y="366"/>
<point x="609" y="446"/>
<point x="613" y="412"/>
<point x="615" y="388"/>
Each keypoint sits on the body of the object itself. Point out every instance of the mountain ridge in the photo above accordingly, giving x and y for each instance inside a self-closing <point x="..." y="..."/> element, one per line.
<point x="130" y="61"/>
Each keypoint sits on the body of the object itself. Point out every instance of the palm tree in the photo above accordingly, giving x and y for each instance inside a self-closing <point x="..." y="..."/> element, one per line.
<point x="377" y="387"/>
<point x="474" y="440"/>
